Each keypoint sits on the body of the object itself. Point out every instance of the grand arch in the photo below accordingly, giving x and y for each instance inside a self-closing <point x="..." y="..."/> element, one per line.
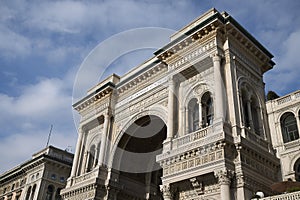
<point x="135" y="158"/>
<point x="208" y="144"/>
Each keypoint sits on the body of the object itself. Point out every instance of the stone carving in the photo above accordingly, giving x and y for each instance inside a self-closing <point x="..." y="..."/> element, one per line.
<point x="224" y="176"/>
<point x="198" y="186"/>
<point x="202" y="50"/>
<point x="166" y="190"/>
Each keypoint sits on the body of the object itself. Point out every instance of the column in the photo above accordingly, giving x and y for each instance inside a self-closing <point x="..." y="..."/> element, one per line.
<point x="219" y="88"/>
<point x="87" y="162"/>
<point x="187" y="125"/>
<point x="165" y="189"/>
<point x="104" y="139"/>
<point x="77" y="152"/>
<point x="181" y="123"/>
<point x="224" y="179"/>
<point x="171" y="99"/>
<point x="95" y="157"/>
<point x="85" y="156"/>
<point x="260" y="122"/>
<point x="250" y="114"/>
<point x="200" y="113"/>
<point x="298" y="122"/>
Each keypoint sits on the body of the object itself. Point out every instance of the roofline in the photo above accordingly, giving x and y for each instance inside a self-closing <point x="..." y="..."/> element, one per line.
<point x="224" y="20"/>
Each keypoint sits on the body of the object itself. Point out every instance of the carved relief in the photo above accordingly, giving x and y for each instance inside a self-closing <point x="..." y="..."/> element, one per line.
<point x="200" y="51"/>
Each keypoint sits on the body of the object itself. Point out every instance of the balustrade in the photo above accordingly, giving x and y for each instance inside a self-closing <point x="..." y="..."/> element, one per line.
<point x="287" y="196"/>
<point x="192" y="137"/>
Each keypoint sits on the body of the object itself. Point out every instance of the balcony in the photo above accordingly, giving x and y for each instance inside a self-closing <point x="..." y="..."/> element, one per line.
<point x="287" y="196"/>
<point x="287" y="99"/>
<point x="183" y="140"/>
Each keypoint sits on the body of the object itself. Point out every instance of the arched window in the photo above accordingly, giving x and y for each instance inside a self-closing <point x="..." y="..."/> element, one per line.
<point x="33" y="191"/>
<point x="57" y="194"/>
<point x="297" y="170"/>
<point x="28" y="193"/>
<point x="207" y="109"/>
<point x="49" y="193"/>
<point x="289" y="127"/>
<point x="251" y="111"/>
<point x="91" y="158"/>
<point x="193" y="118"/>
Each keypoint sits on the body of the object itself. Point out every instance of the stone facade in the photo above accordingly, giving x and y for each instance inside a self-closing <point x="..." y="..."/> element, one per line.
<point x="197" y="108"/>
<point x="283" y="116"/>
<point x="42" y="177"/>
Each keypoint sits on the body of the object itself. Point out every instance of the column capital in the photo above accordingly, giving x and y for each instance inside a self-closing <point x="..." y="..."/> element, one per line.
<point x="224" y="176"/>
<point x="166" y="190"/>
<point x="172" y="79"/>
<point x="216" y="57"/>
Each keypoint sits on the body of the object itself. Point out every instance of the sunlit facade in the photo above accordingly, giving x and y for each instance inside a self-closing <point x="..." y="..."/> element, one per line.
<point x="189" y="123"/>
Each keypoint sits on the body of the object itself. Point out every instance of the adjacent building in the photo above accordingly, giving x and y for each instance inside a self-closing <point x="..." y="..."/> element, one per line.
<point x="189" y="123"/>
<point x="284" y="120"/>
<point x="40" y="178"/>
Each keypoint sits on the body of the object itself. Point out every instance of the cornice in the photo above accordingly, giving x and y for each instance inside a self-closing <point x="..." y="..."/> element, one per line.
<point x="95" y="96"/>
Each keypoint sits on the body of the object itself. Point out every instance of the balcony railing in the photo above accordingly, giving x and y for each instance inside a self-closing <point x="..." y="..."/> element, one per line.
<point x="288" y="98"/>
<point x="192" y="136"/>
<point x="287" y="196"/>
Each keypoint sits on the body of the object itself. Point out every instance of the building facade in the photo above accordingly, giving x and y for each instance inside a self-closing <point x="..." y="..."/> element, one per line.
<point x="189" y="123"/>
<point x="42" y="177"/>
<point x="284" y="123"/>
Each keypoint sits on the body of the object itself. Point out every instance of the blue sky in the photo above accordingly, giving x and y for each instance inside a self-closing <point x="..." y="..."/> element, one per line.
<point x="43" y="43"/>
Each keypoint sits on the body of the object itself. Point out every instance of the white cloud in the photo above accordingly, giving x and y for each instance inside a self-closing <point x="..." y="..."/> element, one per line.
<point x="13" y="44"/>
<point x="284" y="77"/>
<point x="29" y="116"/>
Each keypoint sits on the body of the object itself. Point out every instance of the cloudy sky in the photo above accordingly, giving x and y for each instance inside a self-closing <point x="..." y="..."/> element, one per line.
<point x="44" y="43"/>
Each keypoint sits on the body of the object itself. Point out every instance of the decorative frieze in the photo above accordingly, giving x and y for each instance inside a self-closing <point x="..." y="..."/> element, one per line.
<point x="94" y="111"/>
<point x="191" y="159"/>
<point x="200" y="51"/>
<point x="138" y="105"/>
<point x="141" y="92"/>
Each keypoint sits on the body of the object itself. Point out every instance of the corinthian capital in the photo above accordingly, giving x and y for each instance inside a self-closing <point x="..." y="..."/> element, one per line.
<point x="224" y="176"/>
<point x="166" y="190"/>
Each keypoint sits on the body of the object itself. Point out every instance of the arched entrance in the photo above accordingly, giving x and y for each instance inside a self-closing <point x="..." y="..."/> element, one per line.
<point x="134" y="159"/>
